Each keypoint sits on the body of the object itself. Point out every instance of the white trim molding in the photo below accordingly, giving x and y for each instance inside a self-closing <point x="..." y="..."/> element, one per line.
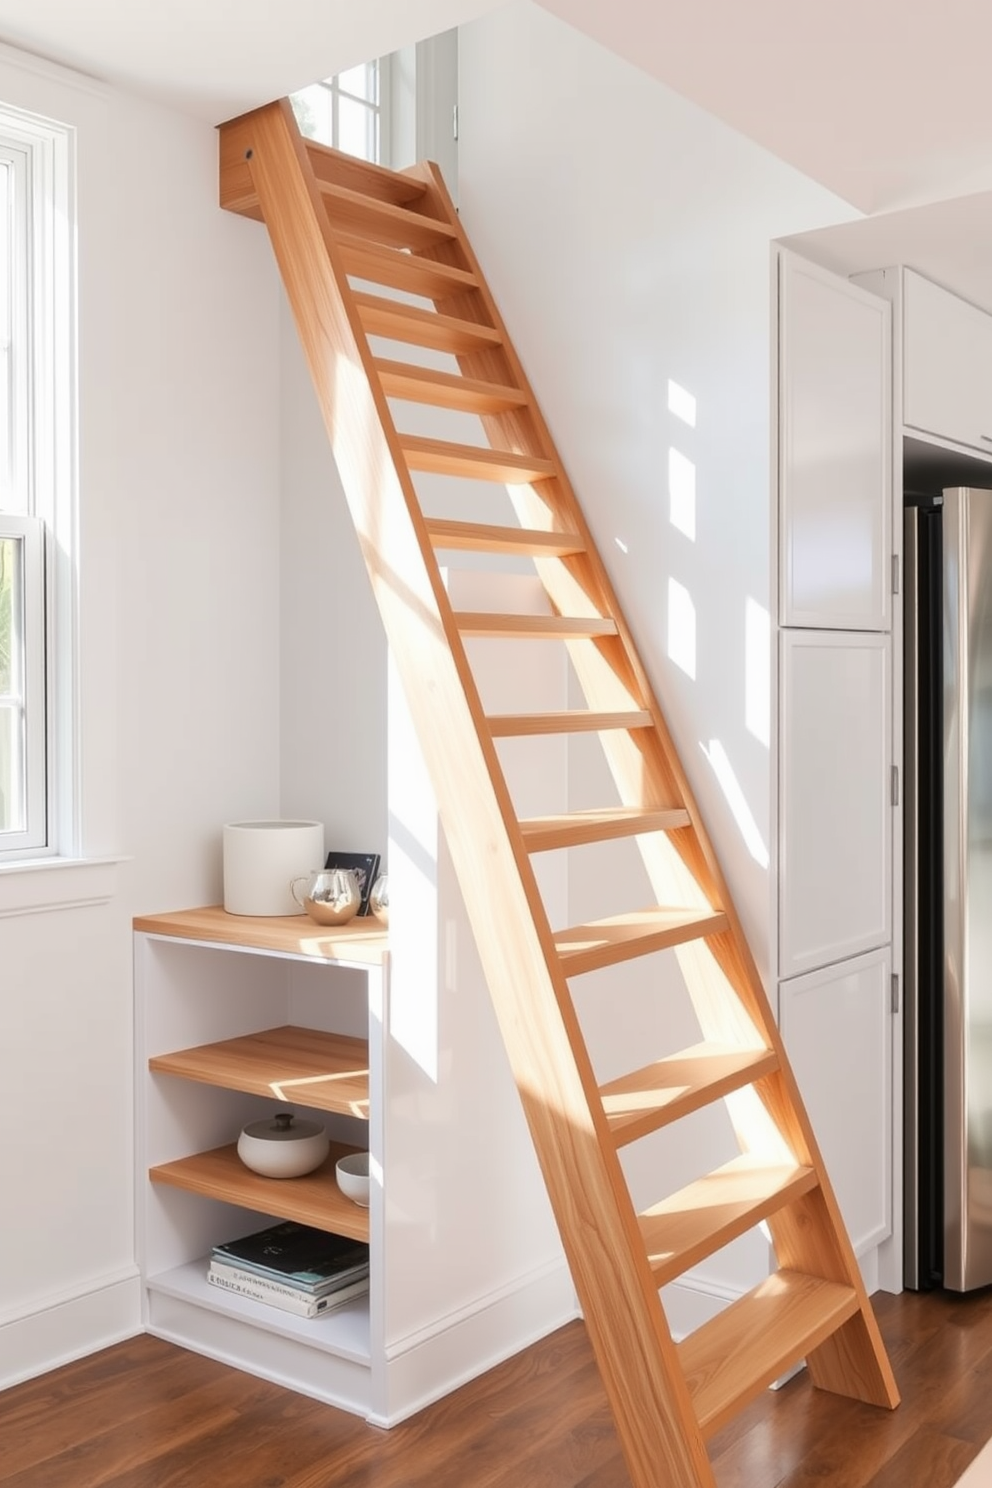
<point x="42" y="884"/>
<point x="426" y="1365"/>
<point x="55" y="1330"/>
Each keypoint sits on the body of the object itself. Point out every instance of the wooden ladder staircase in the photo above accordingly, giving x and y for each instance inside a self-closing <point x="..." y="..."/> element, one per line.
<point x="335" y="223"/>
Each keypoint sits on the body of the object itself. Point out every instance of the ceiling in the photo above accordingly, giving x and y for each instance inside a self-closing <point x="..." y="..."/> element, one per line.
<point x="219" y="58"/>
<point x="885" y="104"/>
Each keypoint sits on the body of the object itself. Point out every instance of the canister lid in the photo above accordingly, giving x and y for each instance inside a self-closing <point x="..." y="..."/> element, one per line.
<point x="283" y="1127"/>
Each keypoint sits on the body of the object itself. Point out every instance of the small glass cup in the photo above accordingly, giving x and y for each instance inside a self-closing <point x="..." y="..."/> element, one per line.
<point x="379" y="899"/>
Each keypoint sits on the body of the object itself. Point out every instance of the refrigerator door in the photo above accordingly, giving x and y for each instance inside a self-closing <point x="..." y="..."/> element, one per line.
<point x="967" y="871"/>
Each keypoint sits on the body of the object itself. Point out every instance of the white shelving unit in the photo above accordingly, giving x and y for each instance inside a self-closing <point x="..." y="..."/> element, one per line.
<point x="393" y="1055"/>
<point x="215" y="996"/>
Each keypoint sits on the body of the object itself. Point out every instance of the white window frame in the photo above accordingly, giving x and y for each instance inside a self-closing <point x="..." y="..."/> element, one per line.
<point x="380" y="110"/>
<point x="38" y="501"/>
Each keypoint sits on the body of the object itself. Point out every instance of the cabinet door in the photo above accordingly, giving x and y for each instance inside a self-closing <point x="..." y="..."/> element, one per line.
<point x="947" y="365"/>
<point x="835" y="540"/>
<point x="835" y="797"/>
<point x="837" y="1030"/>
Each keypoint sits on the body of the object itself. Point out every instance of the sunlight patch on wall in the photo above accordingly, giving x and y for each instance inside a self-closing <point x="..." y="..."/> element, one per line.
<point x="682" y="404"/>
<point x="731" y="787"/>
<point x="757" y="671"/>
<point x="682" y="493"/>
<point x="681" y="628"/>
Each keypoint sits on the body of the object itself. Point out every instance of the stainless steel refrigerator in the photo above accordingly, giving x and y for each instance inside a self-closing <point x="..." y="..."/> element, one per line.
<point x="948" y="879"/>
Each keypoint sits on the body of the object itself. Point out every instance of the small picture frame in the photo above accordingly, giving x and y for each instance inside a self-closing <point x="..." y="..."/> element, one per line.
<point x="365" y="867"/>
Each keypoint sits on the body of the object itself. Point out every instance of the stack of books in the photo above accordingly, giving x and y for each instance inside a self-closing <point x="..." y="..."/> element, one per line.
<point x="292" y="1266"/>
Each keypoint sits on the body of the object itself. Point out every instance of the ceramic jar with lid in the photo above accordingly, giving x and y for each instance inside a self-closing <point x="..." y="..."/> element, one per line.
<point x="283" y="1146"/>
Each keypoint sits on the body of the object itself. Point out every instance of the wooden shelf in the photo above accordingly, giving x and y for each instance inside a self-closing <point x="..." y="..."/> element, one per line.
<point x="328" y="1071"/>
<point x="362" y="942"/>
<point x="743" y="1349"/>
<point x="313" y="1200"/>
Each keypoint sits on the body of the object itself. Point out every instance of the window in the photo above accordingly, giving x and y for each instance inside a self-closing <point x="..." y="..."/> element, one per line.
<point x="37" y="526"/>
<point x="347" y="111"/>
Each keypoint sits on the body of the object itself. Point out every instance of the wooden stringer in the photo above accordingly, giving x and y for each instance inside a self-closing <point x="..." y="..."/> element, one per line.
<point x="337" y="223"/>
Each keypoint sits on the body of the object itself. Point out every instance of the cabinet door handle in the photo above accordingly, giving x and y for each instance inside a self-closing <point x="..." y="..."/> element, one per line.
<point x="986" y="437"/>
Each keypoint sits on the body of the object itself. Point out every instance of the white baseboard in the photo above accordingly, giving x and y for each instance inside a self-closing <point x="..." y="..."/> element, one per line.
<point x="870" y="1269"/>
<point x="55" y="1330"/>
<point x="424" y="1366"/>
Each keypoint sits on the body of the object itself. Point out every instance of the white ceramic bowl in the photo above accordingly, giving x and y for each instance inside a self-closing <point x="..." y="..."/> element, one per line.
<point x="352" y="1173"/>
<point x="282" y="1146"/>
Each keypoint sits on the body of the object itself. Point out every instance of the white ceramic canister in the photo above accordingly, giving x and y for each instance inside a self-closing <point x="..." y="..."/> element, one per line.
<point x="282" y="1146"/>
<point x="261" y="859"/>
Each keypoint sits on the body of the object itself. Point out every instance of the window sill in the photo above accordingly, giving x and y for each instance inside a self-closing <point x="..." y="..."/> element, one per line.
<point x="35" y="885"/>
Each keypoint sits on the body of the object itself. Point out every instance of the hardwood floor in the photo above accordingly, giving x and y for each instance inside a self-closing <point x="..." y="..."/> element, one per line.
<point x="147" y="1415"/>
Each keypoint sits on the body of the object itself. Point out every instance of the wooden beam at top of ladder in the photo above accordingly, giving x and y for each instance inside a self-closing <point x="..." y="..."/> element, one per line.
<point x="339" y="226"/>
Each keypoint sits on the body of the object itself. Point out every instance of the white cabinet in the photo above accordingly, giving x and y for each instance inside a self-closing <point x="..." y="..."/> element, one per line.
<point x="835" y="541"/>
<point x="947" y="365"/>
<point x="835" y="797"/>
<point x="837" y="1029"/>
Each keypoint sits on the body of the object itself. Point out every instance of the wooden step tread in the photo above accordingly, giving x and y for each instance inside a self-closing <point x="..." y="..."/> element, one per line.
<point x="638" y="932"/>
<point x="541" y="834"/>
<point x="652" y="1097"/>
<point x="700" y="1219"/>
<point x="393" y="267"/>
<point x="473" y="462"/>
<point x="741" y="1351"/>
<point x="572" y="721"/>
<point x="328" y="1071"/>
<point x="314" y="1199"/>
<point x="533" y="627"/>
<point x="383" y="221"/>
<point x="480" y="537"/>
<point x="338" y="168"/>
<point x="383" y="317"/>
<point x="445" y="389"/>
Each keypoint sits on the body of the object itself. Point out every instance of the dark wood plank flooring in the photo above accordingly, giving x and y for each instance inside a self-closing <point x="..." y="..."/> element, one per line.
<point x="145" y="1414"/>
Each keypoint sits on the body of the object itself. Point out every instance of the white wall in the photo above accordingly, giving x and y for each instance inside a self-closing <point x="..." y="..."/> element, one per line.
<point x="332" y="661"/>
<point x="179" y="680"/>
